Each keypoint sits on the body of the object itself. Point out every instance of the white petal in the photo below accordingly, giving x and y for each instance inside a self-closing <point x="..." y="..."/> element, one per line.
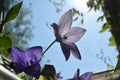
<point x="65" y="22"/>
<point x="74" y="50"/>
<point x="66" y="50"/>
<point x="86" y="76"/>
<point x="74" y="34"/>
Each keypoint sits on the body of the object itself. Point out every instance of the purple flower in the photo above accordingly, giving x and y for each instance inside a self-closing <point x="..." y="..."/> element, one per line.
<point x="85" y="76"/>
<point x="57" y="76"/>
<point x="50" y="71"/>
<point x="67" y="35"/>
<point x="27" y="61"/>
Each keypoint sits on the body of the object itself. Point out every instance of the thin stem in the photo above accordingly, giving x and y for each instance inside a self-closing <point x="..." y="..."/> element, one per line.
<point x="49" y="46"/>
<point x="30" y="78"/>
<point x="1" y="15"/>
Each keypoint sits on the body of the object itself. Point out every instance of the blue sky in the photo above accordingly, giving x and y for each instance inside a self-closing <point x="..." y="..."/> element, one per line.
<point x="89" y="45"/>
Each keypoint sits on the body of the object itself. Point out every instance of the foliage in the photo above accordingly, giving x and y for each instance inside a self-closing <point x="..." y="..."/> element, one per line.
<point x="19" y="29"/>
<point x="111" y="12"/>
<point x="5" y="43"/>
<point x="14" y="10"/>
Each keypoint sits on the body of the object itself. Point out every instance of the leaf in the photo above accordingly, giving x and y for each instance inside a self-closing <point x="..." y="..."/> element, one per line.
<point x="82" y="21"/>
<point x="81" y="14"/>
<point x="109" y="66"/>
<point x="13" y="12"/>
<point x="21" y="74"/>
<point x="46" y="78"/>
<point x="98" y="7"/>
<point x="100" y="18"/>
<point x="112" y="41"/>
<point x="105" y="27"/>
<point x="5" y="43"/>
<point x="75" y="12"/>
<point x="90" y="3"/>
<point x="76" y="18"/>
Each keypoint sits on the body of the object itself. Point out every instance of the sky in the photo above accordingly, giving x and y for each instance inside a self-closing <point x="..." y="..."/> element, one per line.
<point x="91" y="44"/>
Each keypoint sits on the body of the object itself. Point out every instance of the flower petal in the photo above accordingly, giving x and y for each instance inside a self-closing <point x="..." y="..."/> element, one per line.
<point x="19" y="58"/>
<point x="76" y="75"/>
<point x="57" y="76"/>
<point x="86" y="76"/>
<point x="74" y="34"/>
<point x="65" y="22"/>
<point x="66" y="50"/>
<point x="34" y="54"/>
<point x="33" y="70"/>
<point x="74" y="50"/>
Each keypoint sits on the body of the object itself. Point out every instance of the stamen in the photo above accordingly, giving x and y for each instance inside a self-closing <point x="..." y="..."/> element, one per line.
<point x="65" y="37"/>
<point x="27" y="63"/>
<point x="31" y="62"/>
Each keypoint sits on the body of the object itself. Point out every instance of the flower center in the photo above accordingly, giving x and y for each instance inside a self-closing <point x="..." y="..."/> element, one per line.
<point x="30" y="63"/>
<point x="64" y="37"/>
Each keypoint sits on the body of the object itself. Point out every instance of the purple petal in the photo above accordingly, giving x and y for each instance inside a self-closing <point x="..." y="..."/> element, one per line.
<point x="86" y="76"/>
<point x="65" y="22"/>
<point x="19" y="58"/>
<point x="33" y="70"/>
<point x="74" y="34"/>
<point x="57" y="76"/>
<point x="66" y="50"/>
<point x="76" y="75"/>
<point x="74" y="50"/>
<point x="34" y="54"/>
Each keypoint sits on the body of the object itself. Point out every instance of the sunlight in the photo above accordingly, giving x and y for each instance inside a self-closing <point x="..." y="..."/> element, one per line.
<point x="78" y="4"/>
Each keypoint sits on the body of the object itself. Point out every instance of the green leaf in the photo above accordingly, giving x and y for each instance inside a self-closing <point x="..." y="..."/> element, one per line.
<point x="112" y="41"/>
<point x="90" y="4"/>
<point x="46" y="78"/>
<point x="5" y="43"/>
<point x="76" y="18"/>
<point x="100" y="18"/>
<point x="21" y="74"/>
<point x="13" y="12"/>
<point x="81" y="14"/>
<point x="82" y="21"/>
<point x="105" y="27"/>
<point x="109" y="66"/>
<point x="75" y="12"/>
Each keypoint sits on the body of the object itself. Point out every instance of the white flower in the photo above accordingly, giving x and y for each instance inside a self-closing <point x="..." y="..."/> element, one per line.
<point x="67" y="35"/>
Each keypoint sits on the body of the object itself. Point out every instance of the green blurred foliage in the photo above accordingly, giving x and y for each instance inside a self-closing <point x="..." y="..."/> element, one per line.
<point x="46" y="78"/>
<point x="111" y="12"/>
<point x="5" y="44"/>
<point x="5" y="41"/>
<point x="20" y="29"/>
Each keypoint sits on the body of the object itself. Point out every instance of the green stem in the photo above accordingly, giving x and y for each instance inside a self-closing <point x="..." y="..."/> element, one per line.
<point x="49" y="46"/>
<point x="30" y="78"/>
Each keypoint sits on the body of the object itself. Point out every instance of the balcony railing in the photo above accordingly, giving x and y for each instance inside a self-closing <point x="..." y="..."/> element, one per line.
<point x="6" y="74"/>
